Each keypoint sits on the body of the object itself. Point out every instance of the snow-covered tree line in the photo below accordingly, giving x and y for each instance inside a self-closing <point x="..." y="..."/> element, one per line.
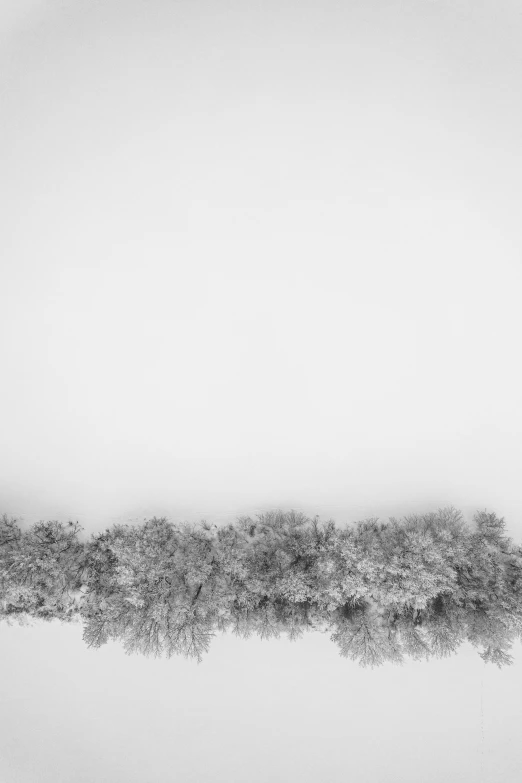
<point x="416" y="587"/>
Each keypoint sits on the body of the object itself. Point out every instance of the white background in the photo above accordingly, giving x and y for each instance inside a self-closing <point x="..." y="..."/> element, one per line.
<point x="257" y="255"/>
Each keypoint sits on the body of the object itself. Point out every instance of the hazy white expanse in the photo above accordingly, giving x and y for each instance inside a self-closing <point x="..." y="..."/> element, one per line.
<point x="257" y="255"/>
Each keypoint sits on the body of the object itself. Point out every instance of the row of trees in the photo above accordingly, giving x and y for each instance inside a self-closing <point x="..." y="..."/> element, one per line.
<point x="415" y="587"/>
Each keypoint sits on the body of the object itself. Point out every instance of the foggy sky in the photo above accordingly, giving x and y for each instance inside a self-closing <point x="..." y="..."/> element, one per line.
<point x="260" y="253"/>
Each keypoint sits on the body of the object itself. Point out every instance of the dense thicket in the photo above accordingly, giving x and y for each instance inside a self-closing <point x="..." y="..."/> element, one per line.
<point x="415" y="587"/>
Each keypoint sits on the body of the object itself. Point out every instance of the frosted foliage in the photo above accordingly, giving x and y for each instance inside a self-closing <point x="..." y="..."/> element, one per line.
<point x="416" y="587"/>
<point x="39" y="570"/>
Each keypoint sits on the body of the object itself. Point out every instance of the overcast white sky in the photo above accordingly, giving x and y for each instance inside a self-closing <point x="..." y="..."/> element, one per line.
<point x="257" y="254"/>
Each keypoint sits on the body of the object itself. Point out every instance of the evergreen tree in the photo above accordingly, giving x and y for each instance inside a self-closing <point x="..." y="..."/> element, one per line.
<point x="40" y="570"/>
